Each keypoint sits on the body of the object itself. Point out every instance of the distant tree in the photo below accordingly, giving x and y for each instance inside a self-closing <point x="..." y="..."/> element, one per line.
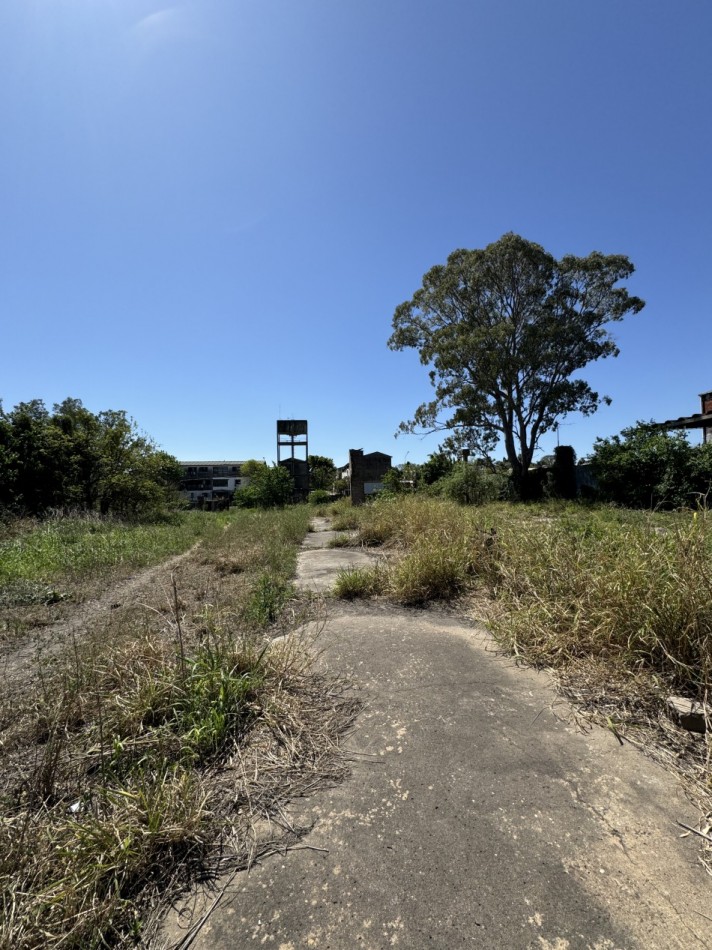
<point x="341" y="486"/>
<point x="269" y="486"/>
<point x="31" y="478"/>
<point x="435" y="467"/>
<point x="646" y="467"/>
<point x="72" y="458"/>
<point x="252" y="467"/>
<point x="393" y="480"/>
<point x="77" y="453"/>
<point x="504" y="330"/>
<point x="322" y="472"/>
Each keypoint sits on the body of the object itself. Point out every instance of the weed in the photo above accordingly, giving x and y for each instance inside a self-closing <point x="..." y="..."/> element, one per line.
<point x="428" y="572"/>
<point x="570" y="581"/>
<point x="356" y="582"/>
<point x="266" y="601"/>
<point x="341" y="541"/>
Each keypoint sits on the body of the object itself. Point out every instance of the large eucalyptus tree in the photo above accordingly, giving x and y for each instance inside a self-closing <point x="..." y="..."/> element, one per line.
<point x="505" y="331"/>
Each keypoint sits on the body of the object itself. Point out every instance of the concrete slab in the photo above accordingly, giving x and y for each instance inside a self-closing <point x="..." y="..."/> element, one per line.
<point x="473" y="816"/>
<point x="320" y="540"/>
<point x="317" y="570"/>
<point x="318" y="565"/>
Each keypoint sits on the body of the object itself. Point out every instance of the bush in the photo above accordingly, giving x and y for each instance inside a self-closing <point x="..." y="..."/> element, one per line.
<point x="470" y="485"/>
<point x="319" y="496"/>
<point x="644" y="467"/>
<point x="270" y="487"/>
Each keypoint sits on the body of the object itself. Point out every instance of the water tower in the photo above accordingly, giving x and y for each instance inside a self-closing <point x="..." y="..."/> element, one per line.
<point x="291" y="439"/>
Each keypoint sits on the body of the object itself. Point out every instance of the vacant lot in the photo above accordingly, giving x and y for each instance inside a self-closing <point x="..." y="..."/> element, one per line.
<point x="151" y="724"/>
<point x="618" y="603"/>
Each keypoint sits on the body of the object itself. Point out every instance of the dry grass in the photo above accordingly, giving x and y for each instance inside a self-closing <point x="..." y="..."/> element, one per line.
<point x="434" y="550"/>
<point x="132" y="763"/>
<point x="618" y="604"/>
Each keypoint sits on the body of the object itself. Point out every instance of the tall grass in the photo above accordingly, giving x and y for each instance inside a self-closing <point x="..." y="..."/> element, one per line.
<point x="436" y="548"/>
<point x="637" y="595"/>
<point x="570" y="582"/>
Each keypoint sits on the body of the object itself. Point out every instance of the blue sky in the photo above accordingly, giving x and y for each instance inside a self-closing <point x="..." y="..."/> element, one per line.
<point x="209" y="210"/>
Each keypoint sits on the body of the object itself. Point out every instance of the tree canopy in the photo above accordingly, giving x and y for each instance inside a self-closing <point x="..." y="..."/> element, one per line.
<point x="72" y="458"/>
<point x="646" y="467"/>
<point x="322" y="472"/>
<point x="504" y="330"/>
<point x="270" y="486"/>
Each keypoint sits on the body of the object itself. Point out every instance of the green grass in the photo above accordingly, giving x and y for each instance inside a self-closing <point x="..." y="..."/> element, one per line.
<point x="356" y="582"/>
<point x="60" y="549"/>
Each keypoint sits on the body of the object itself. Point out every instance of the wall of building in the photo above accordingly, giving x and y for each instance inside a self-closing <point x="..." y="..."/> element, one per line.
<point x="366" y="473"/>
<point x="209" y="481"/>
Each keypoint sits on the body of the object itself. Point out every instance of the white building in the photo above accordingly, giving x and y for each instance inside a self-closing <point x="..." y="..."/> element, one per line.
<point x="211" y="481"/>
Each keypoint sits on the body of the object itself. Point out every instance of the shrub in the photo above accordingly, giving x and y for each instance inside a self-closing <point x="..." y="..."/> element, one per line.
<point x="269" y="487"/>
<point x="644" y="467"/>
<point x="470" y="485"/>
<point x="319" y="496"/>
<point x="357" y="582"/>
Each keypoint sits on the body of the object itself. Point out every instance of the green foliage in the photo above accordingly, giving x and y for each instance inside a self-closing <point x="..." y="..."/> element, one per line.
<point x="269" y="486"/>
<point x="319" y="496"/>
<point x="74" y="459"/>
<point x="645" y="467"/>
<point x="393" y="481"/>
<point x="438" y="465"/>
<point x="253" y="468"/>
<point x="470" y="484"/>
<point x="322" y="472"/>
<point x="341" y="486"/>
<point x="504" y="330"/>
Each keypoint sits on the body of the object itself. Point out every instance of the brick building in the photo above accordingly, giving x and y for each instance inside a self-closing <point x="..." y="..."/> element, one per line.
<point x="364" y="473"/>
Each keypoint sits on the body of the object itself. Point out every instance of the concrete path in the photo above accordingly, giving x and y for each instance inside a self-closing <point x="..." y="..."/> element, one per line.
<point x="474" y="817"/>
<point x="318" y="564"/>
